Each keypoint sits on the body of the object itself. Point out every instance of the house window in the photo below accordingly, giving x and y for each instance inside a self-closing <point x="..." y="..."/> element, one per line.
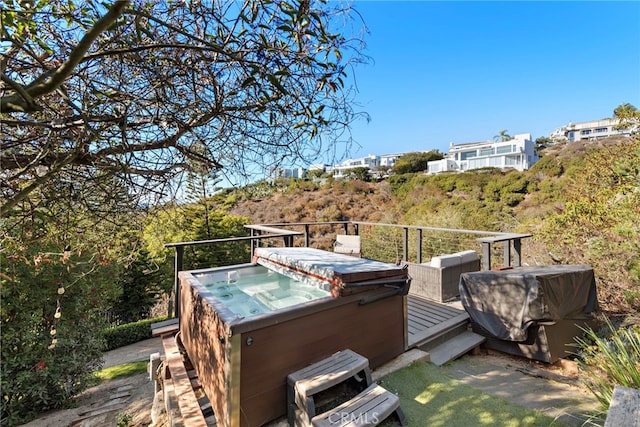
<point x="512" y="160"/>
<point x="585" y="132"/>
<point x="486" y="152"/>
<point x="468" y="154"/>
<point x="477" y="163"/>
<point x="504" y="149"/>
<point x="495" y="161"/>
<point x="601" y="130"/>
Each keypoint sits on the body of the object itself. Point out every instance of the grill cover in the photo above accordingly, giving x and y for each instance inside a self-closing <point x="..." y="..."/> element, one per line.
<point x="329" y="269"/>
<point x="506" y="303"/>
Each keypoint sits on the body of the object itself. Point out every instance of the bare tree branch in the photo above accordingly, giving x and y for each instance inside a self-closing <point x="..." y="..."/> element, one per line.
<point x="22" y="100"/>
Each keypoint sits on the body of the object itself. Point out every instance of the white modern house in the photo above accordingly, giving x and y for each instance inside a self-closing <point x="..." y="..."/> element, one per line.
<point x="517" y="153"/>
<point x="591" y="130"/>
<point x="389" y="159"/>
<point x="370" y="162"/>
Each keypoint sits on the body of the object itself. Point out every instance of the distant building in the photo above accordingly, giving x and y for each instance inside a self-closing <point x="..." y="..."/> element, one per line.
<point x="517" y="153"/>
<point x="389" y="159"/>
<point x="370" y="162"/>
<point x="290" y="173"/>
<point x="594" y="129"/>
<point x="318" y="166"/>
<point x="443" y="165"/>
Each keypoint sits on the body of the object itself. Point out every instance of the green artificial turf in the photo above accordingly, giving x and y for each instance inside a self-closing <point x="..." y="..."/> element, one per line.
<point x="430" y="398"/>
<point x="124" y="370"/>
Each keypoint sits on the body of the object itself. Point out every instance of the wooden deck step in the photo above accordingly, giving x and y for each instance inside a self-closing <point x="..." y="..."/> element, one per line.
<point x="328" y="372"/>
<point x="188" y="405"/>
<point x="455" y="347"/>
<point x="429" y="321"/>
<point x="369" y="408"/>
<point x="304" y="383"/>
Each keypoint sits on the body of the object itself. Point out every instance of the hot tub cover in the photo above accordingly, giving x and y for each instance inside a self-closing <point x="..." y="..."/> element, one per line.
<point x="506" y="303"/>
<point x="332" y="270"/>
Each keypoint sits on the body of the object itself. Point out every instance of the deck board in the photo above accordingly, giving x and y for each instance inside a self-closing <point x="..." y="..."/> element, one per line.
<point x="428" y="318"/>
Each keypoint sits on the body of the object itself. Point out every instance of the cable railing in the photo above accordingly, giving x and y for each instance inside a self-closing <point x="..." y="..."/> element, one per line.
<point x="393" y="243"/>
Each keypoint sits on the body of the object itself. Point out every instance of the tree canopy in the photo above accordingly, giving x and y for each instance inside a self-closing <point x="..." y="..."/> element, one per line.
<point x="502" y="136"/>
<point x="138" y="93"/>
<point x="415" y="162"/>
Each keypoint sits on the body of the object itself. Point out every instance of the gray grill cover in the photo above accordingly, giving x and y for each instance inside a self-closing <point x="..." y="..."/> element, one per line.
<point x="505" y="303"/>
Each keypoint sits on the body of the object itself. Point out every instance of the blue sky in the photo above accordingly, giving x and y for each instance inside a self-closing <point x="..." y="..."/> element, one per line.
<point x="460" y="72"/>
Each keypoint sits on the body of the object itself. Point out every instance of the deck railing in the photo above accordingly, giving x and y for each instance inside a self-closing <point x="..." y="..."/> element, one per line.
<point x="384" y="242"/>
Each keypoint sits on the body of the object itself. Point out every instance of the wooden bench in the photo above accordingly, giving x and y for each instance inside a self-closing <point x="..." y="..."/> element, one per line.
<point x="369" y="408"/>
<point x="303" y="384"/>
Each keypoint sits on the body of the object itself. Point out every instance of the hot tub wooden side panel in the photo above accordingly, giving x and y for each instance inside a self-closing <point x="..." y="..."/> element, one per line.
<point x="375" y="330"/>
<point x="200" y="332"/>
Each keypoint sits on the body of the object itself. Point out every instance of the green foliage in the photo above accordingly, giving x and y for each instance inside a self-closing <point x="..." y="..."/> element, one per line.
<point x="415" y="162"/>
<point x="502" y="136"/>
<point x="509" y="189"/>
<point x="50" y="342"/>
<point x="189" y="223"/>
<point x="124" y="420"/>
<point x="397" y="184"/>
<point x="599" y="223"/>
<point x="129" y="333"/>
<point x="316" y="173"/>
<point x="360" y="173"/>
<point x="627" y="114"/>
<point x="548" y="165"/>
<point x="609" y="359"/>
<point x="141" y="283"/>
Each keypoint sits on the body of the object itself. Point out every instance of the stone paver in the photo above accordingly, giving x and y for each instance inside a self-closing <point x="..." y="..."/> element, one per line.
<point x="624" y="409"/>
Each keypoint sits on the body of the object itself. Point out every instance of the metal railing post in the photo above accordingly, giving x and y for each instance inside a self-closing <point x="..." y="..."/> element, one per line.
<point x="288" y="241"/>
<point x="486" y="256"/>
<point x="253" y="243"/>
<point x="178" y="262"/>
<point x="419" y="248"/>
<point x="405" y="244"/>
<point x="307" y="237"/>
<point x="517" y="256"/>
<point x="506" y="253"/>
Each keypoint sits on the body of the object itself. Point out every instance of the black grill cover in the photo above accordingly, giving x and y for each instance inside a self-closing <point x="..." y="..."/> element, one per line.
<point x="506" y="303"/>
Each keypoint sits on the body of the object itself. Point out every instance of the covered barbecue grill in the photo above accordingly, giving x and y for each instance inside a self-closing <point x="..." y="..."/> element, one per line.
<point x="534" y="312"/>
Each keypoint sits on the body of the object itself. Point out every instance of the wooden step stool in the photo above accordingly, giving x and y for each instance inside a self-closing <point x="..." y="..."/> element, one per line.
<point x="303" y="384"/>
<point x="369" y="408"/>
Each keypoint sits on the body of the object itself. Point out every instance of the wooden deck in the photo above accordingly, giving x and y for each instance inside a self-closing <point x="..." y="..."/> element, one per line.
<point x="428" y="320"/>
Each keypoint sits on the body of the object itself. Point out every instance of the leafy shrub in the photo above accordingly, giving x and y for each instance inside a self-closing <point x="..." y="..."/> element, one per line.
<point x="50" y="341"/>
<point x="415" y="162"/>
<point x="130" y="333"/>
<point x="549" y="166"/>
<point x="610" y="359"/>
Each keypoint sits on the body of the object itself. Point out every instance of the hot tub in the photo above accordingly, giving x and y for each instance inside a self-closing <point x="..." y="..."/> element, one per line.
<point x="246" y="327"/>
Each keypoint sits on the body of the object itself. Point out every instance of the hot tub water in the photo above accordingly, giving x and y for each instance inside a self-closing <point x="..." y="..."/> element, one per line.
<point x="259" y="290"/>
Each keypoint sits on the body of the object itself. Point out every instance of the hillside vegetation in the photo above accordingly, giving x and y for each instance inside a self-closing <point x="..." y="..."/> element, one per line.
<point x="581" y="202"/>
